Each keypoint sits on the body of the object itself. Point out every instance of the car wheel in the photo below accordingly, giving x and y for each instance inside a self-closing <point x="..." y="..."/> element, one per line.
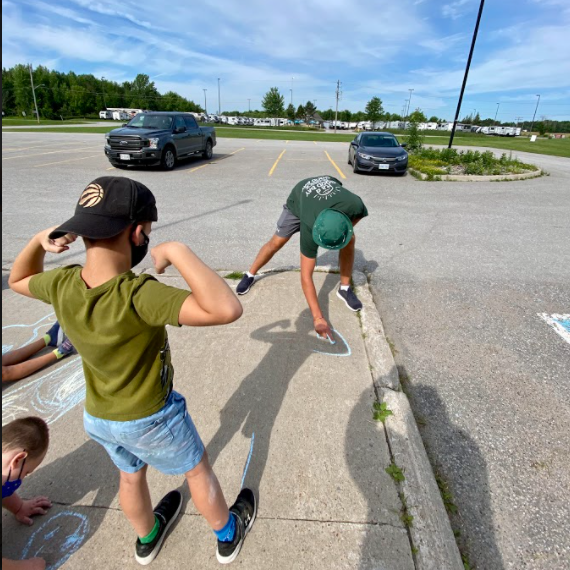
<point x="208" y="151"/>
<point x="349" y="161"/>
<point x="168" y="161"/>
<point x="355" y="168"/>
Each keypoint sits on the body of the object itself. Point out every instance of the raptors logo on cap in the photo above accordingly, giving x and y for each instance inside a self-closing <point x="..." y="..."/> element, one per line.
<point x="91" y="196"/>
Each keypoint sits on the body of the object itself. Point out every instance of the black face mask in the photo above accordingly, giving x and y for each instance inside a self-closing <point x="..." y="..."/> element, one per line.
<point x="138" y="252"/>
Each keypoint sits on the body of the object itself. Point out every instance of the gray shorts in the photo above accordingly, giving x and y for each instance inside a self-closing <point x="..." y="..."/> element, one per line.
<point x="288" y="224"/>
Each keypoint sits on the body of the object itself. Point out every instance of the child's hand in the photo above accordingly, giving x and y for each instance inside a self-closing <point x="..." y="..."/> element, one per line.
<point x="31" y="508"/>
<point x="322" y="329"/>
<point x="161" y="255"/>
<point x="58" y="245"/>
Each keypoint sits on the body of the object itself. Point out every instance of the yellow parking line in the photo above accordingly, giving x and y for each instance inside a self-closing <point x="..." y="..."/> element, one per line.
<point x="287" y="142"/>
<point x="52" y="152"/>
<point x="14" y="149"/>
<point x="64" y="161"/>
<point x="238" y="150"/>
<point x="198" y="167"/>
<point x="334" y="164"/>
<point x="276" y="163"/>
<point x="314" y="142"/>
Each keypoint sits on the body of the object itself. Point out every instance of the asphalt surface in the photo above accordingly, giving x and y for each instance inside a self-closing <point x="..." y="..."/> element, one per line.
<point x="460" y="272"/>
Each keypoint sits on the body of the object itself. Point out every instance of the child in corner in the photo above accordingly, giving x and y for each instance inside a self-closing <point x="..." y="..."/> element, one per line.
<point x="25" y="443"/>
<point x="117" y="322"/>
<point x="18" y="364"/>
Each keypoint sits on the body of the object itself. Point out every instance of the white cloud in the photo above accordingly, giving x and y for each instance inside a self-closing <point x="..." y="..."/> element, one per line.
<point x="455" y="10"/>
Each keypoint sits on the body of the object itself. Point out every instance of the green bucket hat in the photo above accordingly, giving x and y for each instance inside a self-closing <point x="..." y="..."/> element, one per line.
<point x="332" y="229"/>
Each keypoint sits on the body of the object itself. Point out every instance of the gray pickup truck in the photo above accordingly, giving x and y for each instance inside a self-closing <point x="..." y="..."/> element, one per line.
<point x="159" y="139"/>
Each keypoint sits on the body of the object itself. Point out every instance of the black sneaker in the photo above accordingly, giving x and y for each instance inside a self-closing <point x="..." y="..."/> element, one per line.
<point x="166" y="512"/>
<point x="245" y="509"/>
<point x="245" y="284"/>
<point x="350" y="299"/>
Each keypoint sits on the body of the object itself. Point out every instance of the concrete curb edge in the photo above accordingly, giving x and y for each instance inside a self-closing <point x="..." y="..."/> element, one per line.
<point x="431" y="533"/>
<point x="476" y="178"/>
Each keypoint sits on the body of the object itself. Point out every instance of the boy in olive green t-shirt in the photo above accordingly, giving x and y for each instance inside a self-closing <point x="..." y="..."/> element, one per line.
<point x="116" y="321"/>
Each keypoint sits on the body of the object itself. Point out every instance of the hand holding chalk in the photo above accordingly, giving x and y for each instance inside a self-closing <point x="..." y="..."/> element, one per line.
<point x="323" y="330"/>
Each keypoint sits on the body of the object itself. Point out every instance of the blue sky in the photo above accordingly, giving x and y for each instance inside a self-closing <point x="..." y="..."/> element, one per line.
<point x="377" y="47"/>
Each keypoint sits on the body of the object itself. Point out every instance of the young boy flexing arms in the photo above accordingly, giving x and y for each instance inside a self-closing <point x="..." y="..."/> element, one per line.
<point x="116" y="321"/>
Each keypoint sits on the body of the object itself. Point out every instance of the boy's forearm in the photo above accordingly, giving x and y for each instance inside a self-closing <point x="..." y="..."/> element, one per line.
<point x="29" y="262"/>
<point x="311" y="295"/>
<point x="208" y="288"/>
<point x="13" y="503"/>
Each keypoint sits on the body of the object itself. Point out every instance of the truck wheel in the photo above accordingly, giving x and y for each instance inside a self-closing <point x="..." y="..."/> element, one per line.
<point x="209" y="150"/>
<point x="168" y="161"/>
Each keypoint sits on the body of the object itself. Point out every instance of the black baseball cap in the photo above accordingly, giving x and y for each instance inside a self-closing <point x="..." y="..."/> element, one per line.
<point x="108" y="206"/>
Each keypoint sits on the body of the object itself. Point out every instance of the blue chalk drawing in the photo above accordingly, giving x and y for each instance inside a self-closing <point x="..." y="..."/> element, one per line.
<point x="42" y="540"/>
<point x="43" y="322"/>
<point x="248" y="460"/>
<point x="344" y="354"/>
<point x="51" y="395"/>
<point x="559" y="322"/>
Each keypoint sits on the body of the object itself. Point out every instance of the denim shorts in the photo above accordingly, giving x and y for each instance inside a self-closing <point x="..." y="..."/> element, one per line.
<point x="167" y="440"/>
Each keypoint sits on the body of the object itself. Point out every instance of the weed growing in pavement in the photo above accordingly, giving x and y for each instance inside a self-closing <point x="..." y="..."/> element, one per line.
<point x="392" y="346"/>
<point x="395" y="472"/>
<point x="381" y="412"/>
<point x="446" y="494"/>
<point x="405" y="516"/>
<point x="235" y="275"/>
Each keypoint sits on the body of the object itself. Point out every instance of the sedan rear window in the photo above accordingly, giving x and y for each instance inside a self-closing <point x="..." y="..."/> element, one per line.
<point x="379" y="141"/>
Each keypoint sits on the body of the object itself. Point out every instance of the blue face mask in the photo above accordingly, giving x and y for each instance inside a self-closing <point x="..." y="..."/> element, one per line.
<point x="10" y="487"/>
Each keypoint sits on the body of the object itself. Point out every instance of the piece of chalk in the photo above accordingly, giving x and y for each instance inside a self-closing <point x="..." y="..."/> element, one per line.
<point x="327" y="338"/>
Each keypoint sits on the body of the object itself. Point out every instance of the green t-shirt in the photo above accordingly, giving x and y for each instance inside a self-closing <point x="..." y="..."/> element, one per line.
<point x="119" y="331"/>
<point x="313" y="195"/>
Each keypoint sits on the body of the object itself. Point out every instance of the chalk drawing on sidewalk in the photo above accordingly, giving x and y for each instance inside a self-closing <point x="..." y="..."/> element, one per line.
<point x="345" y="354"/>
<point x="559" y="322"/>
<point x="246" y="468"/>
<point x="49" y="533"/>
<point x="51" y="395"/>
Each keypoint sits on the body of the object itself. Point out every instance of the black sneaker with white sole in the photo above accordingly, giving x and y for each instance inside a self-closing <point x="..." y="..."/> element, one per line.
<point x="245" y="510"/>
<point x="350" y="299"/>
<point x="245" y="284"/>
<point x="166" y="512"/>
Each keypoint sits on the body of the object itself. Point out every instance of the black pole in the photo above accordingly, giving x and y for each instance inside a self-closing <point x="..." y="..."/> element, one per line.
<point x="466" y="73"/>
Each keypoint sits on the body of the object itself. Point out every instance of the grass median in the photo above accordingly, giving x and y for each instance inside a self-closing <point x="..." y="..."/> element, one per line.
<point x="552" y="147"/>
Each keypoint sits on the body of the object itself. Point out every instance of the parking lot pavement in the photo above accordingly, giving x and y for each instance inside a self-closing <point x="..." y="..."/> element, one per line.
<point x="460" y="272"/>
<point x="264" y="387"/>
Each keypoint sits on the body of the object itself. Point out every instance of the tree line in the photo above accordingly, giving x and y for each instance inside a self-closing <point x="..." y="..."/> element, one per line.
<point x="69" y="95"/>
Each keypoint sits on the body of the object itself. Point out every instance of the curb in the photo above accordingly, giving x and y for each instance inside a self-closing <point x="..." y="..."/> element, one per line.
<point x="431" y="534"/>
<point x="475" y="178"/>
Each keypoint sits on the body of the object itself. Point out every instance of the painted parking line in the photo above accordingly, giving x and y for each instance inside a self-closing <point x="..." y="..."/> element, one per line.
<point x="52" y="152"/>
<point x="16" y="149"/>
<point x="64" y="161"/>
<point x="218" y="160"/>
<point x="276" y="163"/>
<point x="335" y="165"/>
<point x="559" y="322"/>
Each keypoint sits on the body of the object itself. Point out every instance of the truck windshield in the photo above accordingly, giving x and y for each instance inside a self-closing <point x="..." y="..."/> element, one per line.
<point x="146" y="121"/>
<point x="379" y="141"/>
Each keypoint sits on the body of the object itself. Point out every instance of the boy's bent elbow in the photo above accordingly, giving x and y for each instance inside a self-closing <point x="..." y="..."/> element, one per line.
<point x="232" y="313"/>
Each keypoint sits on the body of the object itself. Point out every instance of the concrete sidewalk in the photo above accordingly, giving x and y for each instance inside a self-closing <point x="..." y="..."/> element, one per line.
<point x="264" y="384"/>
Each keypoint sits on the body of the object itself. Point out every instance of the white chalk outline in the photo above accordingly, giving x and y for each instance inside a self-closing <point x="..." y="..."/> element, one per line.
<point x="554" y="321"/>
<point x="248" y="460"/>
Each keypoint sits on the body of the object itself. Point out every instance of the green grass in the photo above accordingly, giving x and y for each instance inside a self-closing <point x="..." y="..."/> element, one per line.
<point x="235" y="276"/>
<point x="552" y="147"/>
<point x="381" y="412"/>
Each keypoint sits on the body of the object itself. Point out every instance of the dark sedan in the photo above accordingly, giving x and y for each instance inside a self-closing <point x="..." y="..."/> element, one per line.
<point x="371" y="152"/>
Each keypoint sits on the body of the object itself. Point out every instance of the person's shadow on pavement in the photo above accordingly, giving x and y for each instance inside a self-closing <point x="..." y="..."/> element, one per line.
<point x="65" y="528"/>
<point x="254" y="406"/>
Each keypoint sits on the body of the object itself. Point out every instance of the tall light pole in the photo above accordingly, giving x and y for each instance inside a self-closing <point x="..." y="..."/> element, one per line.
<point x="34" y="93"/>
<point x="205" y="102"/>
<point x="533" y="117"/>
<point x="291" y="96"/>
<point x="219" y="99"/>
<point x="475" y="32"/>
<point x="292" y="79"/>
<point x="249" y="105"/>
<point x="496" y="113"/>
<point x="409" y="102"/>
